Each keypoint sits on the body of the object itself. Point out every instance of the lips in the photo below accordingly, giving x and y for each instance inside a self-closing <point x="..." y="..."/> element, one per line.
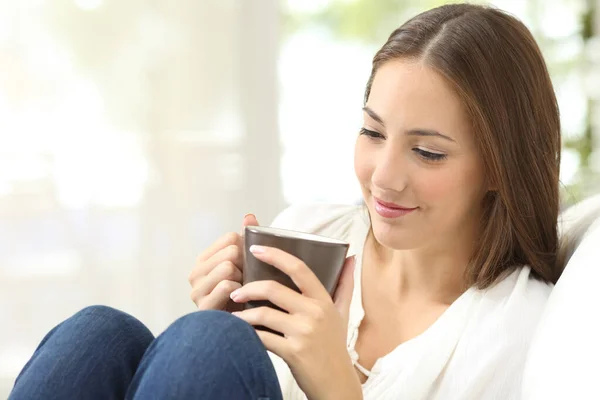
<point x="391" y="210"/>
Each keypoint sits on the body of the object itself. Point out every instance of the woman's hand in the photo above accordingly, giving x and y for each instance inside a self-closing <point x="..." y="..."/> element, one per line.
<point x="314" y="329"/>
<point x="218" y="272"/>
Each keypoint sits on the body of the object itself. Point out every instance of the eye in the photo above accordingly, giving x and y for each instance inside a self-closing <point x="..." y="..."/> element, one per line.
<point x="371" y="134"/>
<point x="430" y="156"/>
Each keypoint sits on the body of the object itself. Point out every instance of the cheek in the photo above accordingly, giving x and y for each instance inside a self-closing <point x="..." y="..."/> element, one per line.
<point x="436" y="187"/>
<point x="454" y="188"/>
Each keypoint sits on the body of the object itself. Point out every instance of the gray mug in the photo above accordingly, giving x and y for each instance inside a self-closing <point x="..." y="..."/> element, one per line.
<point x="323" y="255"/>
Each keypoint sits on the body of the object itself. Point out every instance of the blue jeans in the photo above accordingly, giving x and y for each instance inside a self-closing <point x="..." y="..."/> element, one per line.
<point x="103" y="353"/>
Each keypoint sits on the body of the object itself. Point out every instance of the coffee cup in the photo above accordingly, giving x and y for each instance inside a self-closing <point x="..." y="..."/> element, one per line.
<point x="323" y="255"/>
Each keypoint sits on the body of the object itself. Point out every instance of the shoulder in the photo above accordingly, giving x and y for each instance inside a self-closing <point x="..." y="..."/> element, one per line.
<point x="510" y="310"/>
<point x="333" y="220"/>
<point x="519" y="290"/>
<point x="496" y="340"/>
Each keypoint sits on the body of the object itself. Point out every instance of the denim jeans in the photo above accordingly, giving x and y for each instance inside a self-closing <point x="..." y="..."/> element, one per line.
<point x="103" y="353"/>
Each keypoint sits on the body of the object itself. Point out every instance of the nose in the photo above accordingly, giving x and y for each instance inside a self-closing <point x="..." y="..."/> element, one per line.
<point x="391" y="170"/>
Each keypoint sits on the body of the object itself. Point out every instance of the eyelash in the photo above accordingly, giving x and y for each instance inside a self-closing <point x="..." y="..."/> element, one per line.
<point x="425" y="155"/>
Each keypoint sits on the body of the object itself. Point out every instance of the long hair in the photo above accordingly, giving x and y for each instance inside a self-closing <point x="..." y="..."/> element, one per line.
<point x="494" y="64"/>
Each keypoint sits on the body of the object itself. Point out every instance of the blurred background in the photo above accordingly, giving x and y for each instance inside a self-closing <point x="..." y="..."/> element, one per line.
<point x="133" y="133"/>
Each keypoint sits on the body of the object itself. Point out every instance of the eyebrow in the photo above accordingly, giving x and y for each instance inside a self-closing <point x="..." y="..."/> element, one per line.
<point x="411" y="132"/>
<point x="373" y="115"/>
<point x="428" y="132"/>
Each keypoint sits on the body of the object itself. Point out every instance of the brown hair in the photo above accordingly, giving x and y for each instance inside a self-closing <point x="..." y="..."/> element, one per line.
<point x="497" y="69"/>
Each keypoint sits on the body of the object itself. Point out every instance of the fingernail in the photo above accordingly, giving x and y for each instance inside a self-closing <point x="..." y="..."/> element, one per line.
<point x="234" y="294"/>
<point x="236" y="313"/>
<point x="248" y="215"/>
<point x="255" y="249"/>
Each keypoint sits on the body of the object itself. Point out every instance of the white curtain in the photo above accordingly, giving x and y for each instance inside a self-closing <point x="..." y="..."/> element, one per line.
<point x="132" y="135"/>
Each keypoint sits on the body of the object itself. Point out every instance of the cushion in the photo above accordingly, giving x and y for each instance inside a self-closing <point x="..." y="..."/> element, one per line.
<point x="564" y="358"/>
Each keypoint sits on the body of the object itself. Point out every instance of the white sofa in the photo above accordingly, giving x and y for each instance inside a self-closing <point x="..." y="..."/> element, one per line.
<point x="564" y="358"/>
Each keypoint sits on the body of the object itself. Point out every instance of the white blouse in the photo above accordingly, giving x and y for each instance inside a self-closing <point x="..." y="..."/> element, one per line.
<point x="475" y="350"/>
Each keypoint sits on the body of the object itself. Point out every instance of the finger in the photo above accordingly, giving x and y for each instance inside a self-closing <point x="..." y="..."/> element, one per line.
<point x="269" y="318"/>
<point x="343" y="293"/>
<point x="282" y="296"/>
<point x="228" y="239"/>
<point x="296" y="269"/>
<point x="274" y="343"/>
<point x="249" y="220"/>
<point x="218" y="298"/>
<point x="230" y="253"/>
<point x="225" y="271"/>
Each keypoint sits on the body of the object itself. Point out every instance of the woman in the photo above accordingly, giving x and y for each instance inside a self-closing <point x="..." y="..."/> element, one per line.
<point x="454" y="258"/>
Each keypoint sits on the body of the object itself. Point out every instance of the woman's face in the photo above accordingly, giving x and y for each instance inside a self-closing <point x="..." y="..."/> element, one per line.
<point x="416" y="160"/>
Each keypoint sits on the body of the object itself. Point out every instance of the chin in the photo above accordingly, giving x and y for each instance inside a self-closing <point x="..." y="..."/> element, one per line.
<point x="393" y="237"/>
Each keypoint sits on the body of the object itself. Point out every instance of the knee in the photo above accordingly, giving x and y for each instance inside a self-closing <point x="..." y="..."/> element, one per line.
<point x="209" y="352"/>
<point x="212" y="326"/>
<point x="101" y="314"/>
<point x="102" y="324"/>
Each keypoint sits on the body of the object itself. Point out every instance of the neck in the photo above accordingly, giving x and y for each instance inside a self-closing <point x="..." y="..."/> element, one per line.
<point x="433" y="273"/>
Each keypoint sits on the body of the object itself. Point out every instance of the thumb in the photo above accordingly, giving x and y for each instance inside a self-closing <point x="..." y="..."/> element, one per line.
<point x="249" y="220"/>
<point x="343" y="292"/>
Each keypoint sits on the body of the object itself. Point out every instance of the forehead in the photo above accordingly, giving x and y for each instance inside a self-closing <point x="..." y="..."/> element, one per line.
<point x="409" y="94"/>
